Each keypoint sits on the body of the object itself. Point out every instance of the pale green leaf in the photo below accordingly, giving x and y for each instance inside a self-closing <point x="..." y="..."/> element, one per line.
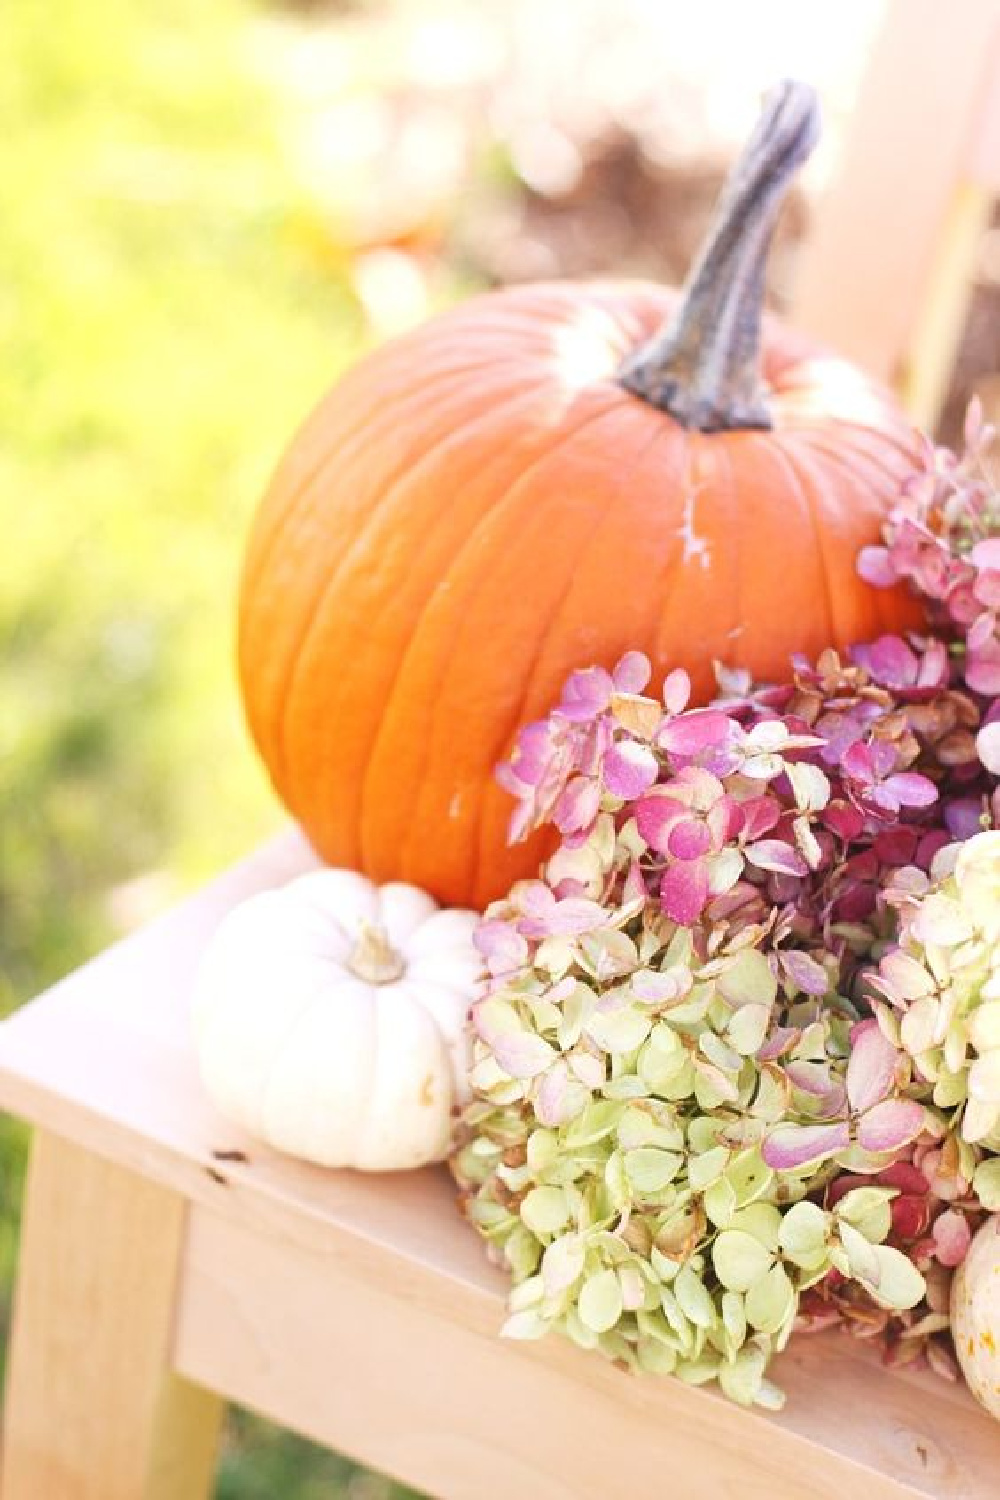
<point x="693" y="1297"/>
<point x="740" y="1259"/>
<point x="741" y="1381"/>
<point x="861" y="1256"/>
<point x="868" y="1209"/>
<point x="708" y="1167"/>
<point x="770" y="1301"/>
<point x="542" y="1150"/>
<point x="803" y="1232"/>
<point x="900" y="1284"/>
<point x="545" y="1210"/>
<point x="748" y="980"/>
<point x="986" y="1184"/>
<point x="649" y="1169"/>
<point x="528" y="1324"/>
<point x="600" y="1301"/>
<point x="621" y="1030"/>
<point x="720" y="1202"/>
<point x="748" y="1027"/>
<point x="763" y="1221"/>
<point x="562" y="1264"/>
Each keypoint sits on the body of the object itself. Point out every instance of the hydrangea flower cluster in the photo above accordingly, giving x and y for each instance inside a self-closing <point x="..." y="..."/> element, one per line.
<point x="940" y="990"/>
<point x="626" y="1154"/>
<point x="669" y="1065"/>
<point x="737" y="1063"/>
<point x="943" y="537"/>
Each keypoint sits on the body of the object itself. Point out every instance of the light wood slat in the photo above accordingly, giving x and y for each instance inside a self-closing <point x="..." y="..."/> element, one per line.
<point x="287" y="1269"/>
<point x="405" y="1372"/>
<point x="93" y="1409"/>
<point x="870" y="258"/>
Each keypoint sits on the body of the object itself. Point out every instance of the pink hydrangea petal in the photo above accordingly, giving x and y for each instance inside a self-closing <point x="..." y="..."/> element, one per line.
<point x="725" y="821"/>
<point x="981" y="632"/>
<point x="587" y="693"/>
<point x="655" y="816"/>
<point x="891" y="1125"/>
<point x="876" y="567"/>
<point x="684" y="891"/>
<point x="982" y="670"/>
<point x="569" y="918"/>
<point x="790" y="1147"/>
<point x="629" y="769"/>
<point x="843" y="820"/>
<point x="889" y="660"/>
<point x="502" y="946"/>
<point x="934" y="666"/>
<point x="760" y="815"/>
<point x="804" y="971"/>
<point x="987" y="588"/>
<point x="952" y="1237"/>
<point x="858" y="761"/>
<point x="676" y="691"/>
<point x="577" y="806"/>
<point x="690" y="734"/>
<point x="986" y="554"/>
<point x="522" y="1054"/>
<point x="554" y="1102"/>
<point x="904" y="1176"/>
<point x="911" y="789"/>
<point x="776" y="856"/>
<point x="689" y="839"/>
<point x="910" y="1214"/>
<point x="871" y="1067"/>
<point x="632" y="673"/>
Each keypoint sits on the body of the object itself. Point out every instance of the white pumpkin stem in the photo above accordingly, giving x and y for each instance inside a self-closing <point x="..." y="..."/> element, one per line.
<point x="375" y="960"/>
<point x="703" y="366"/>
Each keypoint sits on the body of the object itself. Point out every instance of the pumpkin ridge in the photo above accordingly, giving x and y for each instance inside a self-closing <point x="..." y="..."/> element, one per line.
<point x="269" y="736"/>
<point x="509" y="495"/>
<point x="817" y="442"/>
<point x="315" y="616"/>
<point x="803" y="478"/>
<point x="687" y="466"/>
<point x="467" y="541"/>
<point x="668" y="429"/>
<point x="723" y="461"/>
<point x="885" y="604"/>
<point x="424" y="393"/>
<point x="528" y="395"/>
<point x="361" y="435"/>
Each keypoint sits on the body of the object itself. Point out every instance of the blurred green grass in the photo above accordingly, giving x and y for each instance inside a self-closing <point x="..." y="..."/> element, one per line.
<point x="165" y="324"/>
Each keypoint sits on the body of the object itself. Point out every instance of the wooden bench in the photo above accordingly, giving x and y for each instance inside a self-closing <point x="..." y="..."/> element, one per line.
<point x="168" y="1264"/>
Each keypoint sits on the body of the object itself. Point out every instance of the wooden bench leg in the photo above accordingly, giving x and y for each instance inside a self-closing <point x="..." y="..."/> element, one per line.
<point x="92" y="1409"/>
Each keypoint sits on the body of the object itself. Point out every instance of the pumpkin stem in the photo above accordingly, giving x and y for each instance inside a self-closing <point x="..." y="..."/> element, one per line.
<point x="703" y="365"/>
<point x="375" y="960"/>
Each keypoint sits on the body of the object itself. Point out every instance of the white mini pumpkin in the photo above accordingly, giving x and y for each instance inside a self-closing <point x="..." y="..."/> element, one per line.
<point x="975" y="1315"/>
<point x="329" y="1019"/>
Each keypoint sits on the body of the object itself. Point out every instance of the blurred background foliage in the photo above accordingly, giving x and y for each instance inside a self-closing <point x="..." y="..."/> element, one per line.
<point x="206" y="211"/>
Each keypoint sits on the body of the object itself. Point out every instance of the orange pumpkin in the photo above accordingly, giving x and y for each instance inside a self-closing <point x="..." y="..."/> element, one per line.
<point x="541" y="479"/>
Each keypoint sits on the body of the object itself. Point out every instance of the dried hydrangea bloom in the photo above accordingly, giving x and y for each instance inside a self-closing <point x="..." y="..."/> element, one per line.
<point x="941" y="994"/>
<point x="943" y="536"/>
<point x="623" y="1154"/>
<point x="668" y="1064"/>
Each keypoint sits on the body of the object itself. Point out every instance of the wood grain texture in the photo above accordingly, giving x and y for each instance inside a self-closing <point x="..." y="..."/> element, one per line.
<point x="403" y="1369"/>
<point x="93" y="1410"/>
<point x="361" y="1310"/>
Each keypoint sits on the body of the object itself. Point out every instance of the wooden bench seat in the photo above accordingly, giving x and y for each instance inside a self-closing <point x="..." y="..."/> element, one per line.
<point x="169" y="1263"/>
